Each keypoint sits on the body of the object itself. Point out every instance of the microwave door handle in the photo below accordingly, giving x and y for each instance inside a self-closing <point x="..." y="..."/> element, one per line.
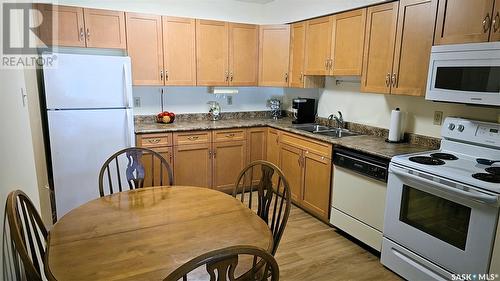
<point x="483" y="198"/>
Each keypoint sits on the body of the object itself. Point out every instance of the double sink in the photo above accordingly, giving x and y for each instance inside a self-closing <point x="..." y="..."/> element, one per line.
<point x="325" y="130"/>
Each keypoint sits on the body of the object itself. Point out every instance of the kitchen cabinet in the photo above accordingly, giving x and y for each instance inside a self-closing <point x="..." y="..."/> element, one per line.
<point x="274" y="55"/>
<point x="316" y="189"/>
<point x="291" y="165"/>
<point x="161" y="143"/>
<point x="212" y="52"/>
<point x="193" y="165"/>
<point x="229" y="159"/>
<point x="105" y="29"/>
<point x="348" y="37"/>
<point x="62" y="25"/>
<point x="273" y="146"/>
<point x="256" y="148"/>
<point x="243" y="54"/>
<point x="397" y="49"/>
<point x="297" y="52"/>
<point x="144" y="46"/>
<point x="465" y="21"/>
<point x="379" y="48"/>
<point x="179" y="51"/>
<point x="318" y="46"/>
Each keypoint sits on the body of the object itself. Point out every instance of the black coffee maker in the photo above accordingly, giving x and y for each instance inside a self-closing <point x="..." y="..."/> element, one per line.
<point x="304" y="110"/>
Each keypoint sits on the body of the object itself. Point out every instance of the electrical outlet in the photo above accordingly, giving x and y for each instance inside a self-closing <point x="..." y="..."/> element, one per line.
<point x="438" y="118"/>
<point x="137" y="102"/>
<point x="229" y="100"/>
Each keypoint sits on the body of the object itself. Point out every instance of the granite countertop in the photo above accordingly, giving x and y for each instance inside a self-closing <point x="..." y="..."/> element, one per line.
<point x="366" y="143"/>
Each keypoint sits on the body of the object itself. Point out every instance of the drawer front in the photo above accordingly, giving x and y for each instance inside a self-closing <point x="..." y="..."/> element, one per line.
<point x="192" y="137"/>
<point x="154" y="140"/>
<point x="229" y="135"/>
<point x="321" y="148"/>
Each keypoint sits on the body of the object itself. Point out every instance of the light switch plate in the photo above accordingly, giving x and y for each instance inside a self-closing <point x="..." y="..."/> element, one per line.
<point x="137" y="102"/>
<point x="438" y="118"/>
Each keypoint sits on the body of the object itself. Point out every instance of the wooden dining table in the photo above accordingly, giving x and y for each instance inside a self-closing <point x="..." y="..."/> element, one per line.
<point x="145" y="234"/>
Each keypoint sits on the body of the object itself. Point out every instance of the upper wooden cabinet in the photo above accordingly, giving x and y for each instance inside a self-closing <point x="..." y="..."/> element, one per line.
<point x="297" y="79"/>
<point x="414" y="38"/>
<point x="397" y="49"/>
<point x="348" y="38"/>
<point x="243" y="54"/>
<point x="212" y="52"/>
<point x="318" y="46"/>
<point x="144" y="46"/>
<point x="179" y="51"/>
<point x="77" y="27"/>
<point x="62" y="25"/>
<point x="379" y="47"/>
<point x="466" y="21"/>
<point x="105" y="29"/>
<point x="274" y="55"/>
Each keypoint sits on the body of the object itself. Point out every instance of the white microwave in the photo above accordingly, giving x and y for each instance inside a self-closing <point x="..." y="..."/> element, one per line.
<point x="465" y="73"/>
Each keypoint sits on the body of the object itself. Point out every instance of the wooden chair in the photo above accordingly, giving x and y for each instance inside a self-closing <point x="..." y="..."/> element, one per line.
<point x="28" y="235"/>
<point x="221" y="265"/>
<point x="139" y="168"/>
<point x="265" y="181"/>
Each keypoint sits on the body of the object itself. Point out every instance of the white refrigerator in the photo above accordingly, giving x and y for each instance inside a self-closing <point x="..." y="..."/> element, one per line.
<point x="89" y="113"/>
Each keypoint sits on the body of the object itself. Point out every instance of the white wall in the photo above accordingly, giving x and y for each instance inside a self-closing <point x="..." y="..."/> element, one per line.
<point x="194" y="99"/>
<point x="374" y="109"/>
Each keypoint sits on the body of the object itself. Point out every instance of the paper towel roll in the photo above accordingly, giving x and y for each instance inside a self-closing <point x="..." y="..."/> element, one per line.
<point x="396" y="126"/>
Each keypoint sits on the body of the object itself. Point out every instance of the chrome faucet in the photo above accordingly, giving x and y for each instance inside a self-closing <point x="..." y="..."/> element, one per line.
<point x="339" y="119"/>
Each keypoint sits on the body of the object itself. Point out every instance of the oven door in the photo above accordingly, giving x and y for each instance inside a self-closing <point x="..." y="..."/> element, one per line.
<point x="449" y="224"/>
<point x="465" y="76"/>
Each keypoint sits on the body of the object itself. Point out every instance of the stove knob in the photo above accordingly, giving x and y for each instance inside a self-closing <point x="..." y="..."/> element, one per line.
<point x="451" y="127"/>
<point x="461" y="128"/>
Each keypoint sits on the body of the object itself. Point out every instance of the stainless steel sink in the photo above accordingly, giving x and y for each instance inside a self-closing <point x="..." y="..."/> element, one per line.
<point x="325" y="130"/>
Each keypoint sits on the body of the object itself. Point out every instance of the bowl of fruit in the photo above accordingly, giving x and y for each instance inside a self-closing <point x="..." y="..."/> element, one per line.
<point x="165" y="117"/>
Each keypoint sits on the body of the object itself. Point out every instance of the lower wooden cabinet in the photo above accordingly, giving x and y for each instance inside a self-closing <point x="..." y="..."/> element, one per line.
<point x="193" y="165"/>
<point x="316" y="189"/>
<point x="273" y="146"/>
<point x="159" y="175"/>
<point x="229" y="159"/>
<point x="290" y="164"/>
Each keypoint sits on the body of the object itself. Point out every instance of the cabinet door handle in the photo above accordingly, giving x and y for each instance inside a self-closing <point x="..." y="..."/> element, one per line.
<point x="330" y="64"/>
<point x="486" y="23"/>
<point x="193" y="138"/>
<point x="388" y="79"/>
<point x="286" y="77"/>
<point x="230" y="135"/>
<point x="82" y="34"/>
<point x="299" y="162"/>
<point x="231" y="76"/>
<point x="394" y="80"/>
<point x="210" y="154"/>
<point x="88" y="33"/>
<point x="226" y="73"/>
<point x="326" y="64"/>
<point x="301" y="76"/>
<point x="166" y="75"/>
<point x="496" y="22"/>
<point x="154" y="141"/>
<point x="277" y="140"/>
<point x="161" y="75"/>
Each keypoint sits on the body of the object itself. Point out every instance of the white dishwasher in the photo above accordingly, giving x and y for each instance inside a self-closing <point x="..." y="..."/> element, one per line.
<point x="358" y="195"/>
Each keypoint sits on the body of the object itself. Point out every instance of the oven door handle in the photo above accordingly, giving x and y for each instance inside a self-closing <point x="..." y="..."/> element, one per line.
<point x="483" y="198"/>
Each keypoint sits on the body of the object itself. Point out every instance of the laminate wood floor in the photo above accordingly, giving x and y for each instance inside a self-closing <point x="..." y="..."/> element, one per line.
<point x="312" y="250"/>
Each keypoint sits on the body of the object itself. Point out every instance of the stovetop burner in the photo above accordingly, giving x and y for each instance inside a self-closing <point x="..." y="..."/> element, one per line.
<point x="493" y="170"/>
<point x="427" y="160"/>
<point x="444" y="156"/>
<point x="487" y="177"/>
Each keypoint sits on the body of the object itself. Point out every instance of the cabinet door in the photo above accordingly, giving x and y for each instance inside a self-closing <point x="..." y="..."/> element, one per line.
<point x="274" y="55"/>
<point x="154" y="165"/>
<point x="415" y="34"/>
<point x="291" y="165"/>
<point x="212" y="53"/>
<point x="297" y="52"/>
<point x="105" y="29"/>
<point x="229" y="159"/>
<point x="61" y="25"/>
<point x="193" y="165"/>
<point x="316" y="191"/>
<point x="243" y="54"/>
<point x="379" y="47"/>
<point x="144" y="46"/>
<point x="348" y="38"/>
<point x="256" y="148"/>
<point x="495" y="27"/>
<point x="463" y="21"/>
<point x="273" y="147"/>
<point x="179" y="51"/>
<point x="318" y="46"/>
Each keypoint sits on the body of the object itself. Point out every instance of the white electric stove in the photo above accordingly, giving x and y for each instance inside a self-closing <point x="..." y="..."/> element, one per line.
<point x="442" y="206"/>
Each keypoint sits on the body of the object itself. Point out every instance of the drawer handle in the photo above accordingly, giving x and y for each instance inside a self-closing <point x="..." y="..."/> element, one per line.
<point x="154" y="141"/>
<point x="230" y="135"/>
<point x="193" y="138"/>
<point x="486" y="23"/>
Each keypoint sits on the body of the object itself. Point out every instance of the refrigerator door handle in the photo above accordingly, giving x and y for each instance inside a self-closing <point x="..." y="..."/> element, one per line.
<point x="126" y="85"/>
<point x="130" y="126"/>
